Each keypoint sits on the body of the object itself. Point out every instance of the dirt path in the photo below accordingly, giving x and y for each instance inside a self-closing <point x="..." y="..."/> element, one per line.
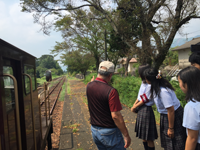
<point x="75" y="113"/>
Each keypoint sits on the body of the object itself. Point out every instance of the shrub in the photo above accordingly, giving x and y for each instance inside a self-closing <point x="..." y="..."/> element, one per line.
<point x="73" y="74"/>
<point x="127" y="88"/>
<point x="89" y="77"/>
<point x="121" y="70"/>
<point x="136" y="70"/>
<point x="179" y="93"/>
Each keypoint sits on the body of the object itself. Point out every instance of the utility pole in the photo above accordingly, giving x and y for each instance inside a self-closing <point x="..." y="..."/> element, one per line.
<point x="106" y="57"/>
<point x="186" y="36"/>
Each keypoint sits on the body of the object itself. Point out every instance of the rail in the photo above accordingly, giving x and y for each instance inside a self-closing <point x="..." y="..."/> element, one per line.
<point x="46" y="92"/>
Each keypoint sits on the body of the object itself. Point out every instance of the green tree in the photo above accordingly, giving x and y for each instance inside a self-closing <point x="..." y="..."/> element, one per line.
<point x="78" y="62"/>
<point x="46" y="62"/>
<point x="159" y="20"/>
<point x="82" y="33"/>
<point x="171" y="58"/>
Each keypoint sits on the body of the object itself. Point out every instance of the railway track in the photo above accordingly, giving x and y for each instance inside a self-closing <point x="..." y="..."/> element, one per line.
<point x="40" y="87"/>
<point x="53" y="90"/>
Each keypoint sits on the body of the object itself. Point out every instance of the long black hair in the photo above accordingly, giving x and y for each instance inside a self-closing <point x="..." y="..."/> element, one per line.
<point x="156" y="83"/>
<point x="190" y="75"/>
<point x="141" y="70"/>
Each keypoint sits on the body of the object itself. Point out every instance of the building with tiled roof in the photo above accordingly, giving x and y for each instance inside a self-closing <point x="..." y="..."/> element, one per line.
<point x="184" y="52"/>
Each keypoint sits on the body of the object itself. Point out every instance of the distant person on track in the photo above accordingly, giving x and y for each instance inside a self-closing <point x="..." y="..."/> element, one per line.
<point x="145" y="126"/>
<point x="172" y="133"/>
<point x="189" y="83"/>
<point x="194" y="59"/>
<point x="107" y="123"/>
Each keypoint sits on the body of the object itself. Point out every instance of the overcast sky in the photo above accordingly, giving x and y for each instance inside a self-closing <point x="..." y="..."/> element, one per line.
<point x="18" y="29"/>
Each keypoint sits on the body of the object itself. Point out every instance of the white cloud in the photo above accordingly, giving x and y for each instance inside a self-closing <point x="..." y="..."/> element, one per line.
<point x="17" y="28"/>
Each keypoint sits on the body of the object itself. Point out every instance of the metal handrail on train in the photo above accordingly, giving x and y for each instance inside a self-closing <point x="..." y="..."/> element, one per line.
<point x="40" y="115"/>
<point x="17" y="109"/>
<point x="45" y="90"/>
<point x="48" y="101"/>
<point x="33" y="118"/>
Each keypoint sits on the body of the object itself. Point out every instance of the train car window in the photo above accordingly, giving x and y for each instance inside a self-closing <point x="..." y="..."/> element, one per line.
<point x="30" y="71"/>
<point x="9" y="89"/>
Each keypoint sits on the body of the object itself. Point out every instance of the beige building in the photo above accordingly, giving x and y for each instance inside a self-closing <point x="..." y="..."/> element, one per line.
<point x="184" y="52"/>
<point x="122" y="62"/>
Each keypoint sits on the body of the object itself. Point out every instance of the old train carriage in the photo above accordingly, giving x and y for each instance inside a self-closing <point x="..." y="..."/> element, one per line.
<point x="21" y="127"/>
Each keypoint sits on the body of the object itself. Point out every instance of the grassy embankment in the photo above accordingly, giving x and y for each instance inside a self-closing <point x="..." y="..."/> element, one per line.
<point x="128" y="90"/>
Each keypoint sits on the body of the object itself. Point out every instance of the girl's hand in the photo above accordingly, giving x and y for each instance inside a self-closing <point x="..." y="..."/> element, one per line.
<point x="170" y="133"/>
<point x="133" y="109"/>
<point x="135" y="103"/>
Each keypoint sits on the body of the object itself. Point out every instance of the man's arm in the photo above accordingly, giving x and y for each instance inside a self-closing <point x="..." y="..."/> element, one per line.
<point x="191" y="141"/>
<point x="92" y="79"/>
<point x="119" y="121"/>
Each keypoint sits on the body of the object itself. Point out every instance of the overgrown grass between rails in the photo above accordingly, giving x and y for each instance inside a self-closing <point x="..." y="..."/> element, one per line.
<point x="52" y="83"/>
<point x="62" y="94"/>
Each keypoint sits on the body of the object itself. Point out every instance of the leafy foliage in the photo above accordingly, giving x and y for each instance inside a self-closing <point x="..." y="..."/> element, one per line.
<point x="154" y="23"/>
<point x="81" y="33"/>
<point x="121" y="70"/>
<point x="89" y="77"/>
<point x="78" y="62"/>
<point x="47" y="62"/>
<point x="171" y="58"/>
<point x="179" y="93"/>
<point x="127" y="88"/>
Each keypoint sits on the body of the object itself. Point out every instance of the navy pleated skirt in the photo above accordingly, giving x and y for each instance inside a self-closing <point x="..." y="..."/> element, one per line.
<point x="198" y="146"/>
<point x="178" y="142"/>
<point x="145" y="126"/>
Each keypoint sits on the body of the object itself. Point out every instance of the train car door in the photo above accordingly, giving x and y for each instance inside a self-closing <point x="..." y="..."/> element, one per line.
<point x="9" y="103"/>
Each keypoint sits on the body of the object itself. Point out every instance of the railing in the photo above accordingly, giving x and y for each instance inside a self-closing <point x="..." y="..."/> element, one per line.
<point x="46" y="97"/>
<point x="175" y="70"/>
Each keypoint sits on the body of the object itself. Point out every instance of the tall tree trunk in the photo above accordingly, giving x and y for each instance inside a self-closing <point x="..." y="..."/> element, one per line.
<point x="145" y="54"/>
<point x="164" y="49"/>
<point x="97" y="63"/>
<point x="105" y="44"/>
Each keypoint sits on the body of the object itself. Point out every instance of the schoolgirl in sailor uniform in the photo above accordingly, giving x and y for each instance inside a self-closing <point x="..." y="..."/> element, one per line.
<point x="189" y="83"/>
<point x="145" y="126"/>
<point x="172" y="133"/>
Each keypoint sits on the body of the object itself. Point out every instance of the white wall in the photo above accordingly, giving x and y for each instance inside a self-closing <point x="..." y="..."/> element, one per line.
<point x="183" y="57"/>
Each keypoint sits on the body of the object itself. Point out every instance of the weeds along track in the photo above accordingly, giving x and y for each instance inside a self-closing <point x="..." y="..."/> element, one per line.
<point x="40" y="90"/>
<point x="51" y="98"/>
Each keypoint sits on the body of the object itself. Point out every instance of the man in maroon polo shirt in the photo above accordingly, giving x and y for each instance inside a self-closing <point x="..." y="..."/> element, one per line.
<point x="107" y="123"/>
